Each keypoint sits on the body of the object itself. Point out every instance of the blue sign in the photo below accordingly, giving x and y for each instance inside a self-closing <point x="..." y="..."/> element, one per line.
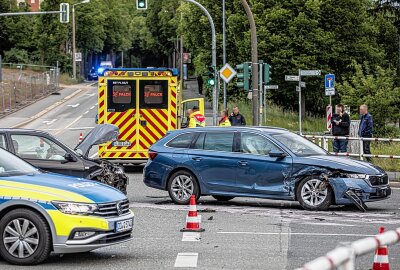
<point x="330" y="81"/>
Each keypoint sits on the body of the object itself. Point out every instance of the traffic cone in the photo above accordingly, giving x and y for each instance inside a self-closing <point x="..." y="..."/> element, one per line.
<point x="80" y="137"/>
<point x="192" y="220"/>
<point x="381" y="259"/>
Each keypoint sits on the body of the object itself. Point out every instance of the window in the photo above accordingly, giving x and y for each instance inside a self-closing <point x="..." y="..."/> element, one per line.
<point x="199" y="144"/>
<point x="182" y="141"/>
<point x="3" y="142"/>
<point x="11" y="165"/>
<point x="298" y="145"/>
<point x="153" y="94"/>
<point x="35" y="147"/>
<point x="256" y="144"/>
<point x="121" y="95"/>
<point x="219" y="141"/>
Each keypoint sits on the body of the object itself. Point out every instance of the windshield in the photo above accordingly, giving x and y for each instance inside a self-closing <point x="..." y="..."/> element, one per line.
<point x="298" y="145"/>
<point x="11" y="165"/>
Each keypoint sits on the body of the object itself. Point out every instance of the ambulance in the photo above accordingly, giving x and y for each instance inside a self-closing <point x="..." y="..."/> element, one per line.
<point x="144" y="103"/>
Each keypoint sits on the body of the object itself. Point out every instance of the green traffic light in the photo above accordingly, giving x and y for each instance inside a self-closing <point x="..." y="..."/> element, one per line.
<point x="211" y="82"/>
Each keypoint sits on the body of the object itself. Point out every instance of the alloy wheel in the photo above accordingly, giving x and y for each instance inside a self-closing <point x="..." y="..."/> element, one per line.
<point x="182" y="187"/>
<point x="314" y="192"/>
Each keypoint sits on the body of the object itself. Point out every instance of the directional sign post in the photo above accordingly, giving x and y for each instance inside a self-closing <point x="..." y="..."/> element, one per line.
<point x="271" y="87"/>
<point x="310" y="72"/>
<point x="227" y="73"/>
<point x="330" y="87"/>
<point x="291" y="78"/>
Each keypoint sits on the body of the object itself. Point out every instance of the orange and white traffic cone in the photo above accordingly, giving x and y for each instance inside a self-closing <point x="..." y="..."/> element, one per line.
<point x="381" y="259"/>
<point x="192" y="220"/>
<point x="80" y="137"/>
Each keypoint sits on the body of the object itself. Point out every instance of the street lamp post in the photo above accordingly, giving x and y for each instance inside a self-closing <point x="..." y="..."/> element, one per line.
<point x="73" y="38"/>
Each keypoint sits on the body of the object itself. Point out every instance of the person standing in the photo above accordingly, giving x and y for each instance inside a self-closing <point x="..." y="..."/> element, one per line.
<point x="340" y="127"/>
<point x="224" y="121"/>
<point x="366" y="129"/>
<point x="236" y="118"/>
<point x="196" y="118"/>
<point x="200" y="84"/>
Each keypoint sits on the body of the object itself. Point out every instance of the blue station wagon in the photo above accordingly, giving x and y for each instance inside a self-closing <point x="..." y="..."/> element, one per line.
<point x="262" y="162"/>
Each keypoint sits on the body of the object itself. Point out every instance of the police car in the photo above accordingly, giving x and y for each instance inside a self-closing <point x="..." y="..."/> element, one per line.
<point x="42" y="213"/>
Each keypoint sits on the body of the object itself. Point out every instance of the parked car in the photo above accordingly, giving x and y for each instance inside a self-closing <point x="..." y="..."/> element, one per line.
<point x="42" y="150"/>
<point x="93" y="75"/>
<point x="43" y="212"/>
<point x="259" y="162"/>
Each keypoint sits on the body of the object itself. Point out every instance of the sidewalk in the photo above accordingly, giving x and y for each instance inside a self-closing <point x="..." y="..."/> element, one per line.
<point x="191" y="90"/>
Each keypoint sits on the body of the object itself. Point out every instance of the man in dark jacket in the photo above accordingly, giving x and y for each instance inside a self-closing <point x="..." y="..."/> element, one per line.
<point x="366" y="128"/>
<point x="340" y="127"/>
<point x="236" y="118"/>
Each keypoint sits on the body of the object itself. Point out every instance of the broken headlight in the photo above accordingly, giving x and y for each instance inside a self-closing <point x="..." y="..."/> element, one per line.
<point x="355" y="175"/>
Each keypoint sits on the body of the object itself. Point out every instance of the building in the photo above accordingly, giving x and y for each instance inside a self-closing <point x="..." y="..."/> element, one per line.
<point x="33" y="4"/>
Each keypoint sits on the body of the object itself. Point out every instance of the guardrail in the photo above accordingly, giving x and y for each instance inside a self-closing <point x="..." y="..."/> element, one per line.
<point x="323" y="142"/>
<point x="344" y="257"/>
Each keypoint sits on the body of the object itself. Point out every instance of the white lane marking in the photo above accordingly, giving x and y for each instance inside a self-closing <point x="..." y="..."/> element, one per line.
<point x="71" y="128"/>
<point x="186" y="260"/>
<point x="191" y="237"/>
<point x="97" y="104"/>
<point x="328" y="224"/>
<point x="91" y="108"/>
<point x="90" y="95"/>
<point x="395" y="188"/>
<point x="49" y="122"/>
<point x="304" y="234"/>
<point x="69" y="125"/>
<point x="73" y="105"/>
<point x="86" y="112"/>
<point x="78" y="128"/>
<point x="94" y="155"/>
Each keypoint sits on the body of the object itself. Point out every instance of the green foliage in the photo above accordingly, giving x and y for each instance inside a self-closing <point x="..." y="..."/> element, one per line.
<point x="16" y="56"/>
<point x="376" y="88"/>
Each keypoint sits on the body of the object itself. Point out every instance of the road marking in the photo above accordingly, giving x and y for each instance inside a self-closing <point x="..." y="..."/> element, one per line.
<point x="73" y="105"/>
<point x="328" y="224"/>
<point x="91" y="108"/>
<point x="303" y="234"/>
<point x="90" y="95"/>
<point x="69" y="125"/>
<point x="71" y="128"/>
<point x="78" y="128"/>
<point x="49" y="122"/>
<point x="191" y="237"/>
<point x="186" y="260"/>
<point x="86" y="112"/>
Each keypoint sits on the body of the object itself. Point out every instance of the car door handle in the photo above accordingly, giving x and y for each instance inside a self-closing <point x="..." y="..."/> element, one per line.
<point x="197" y="158"/>
<point x="242" y="163"/>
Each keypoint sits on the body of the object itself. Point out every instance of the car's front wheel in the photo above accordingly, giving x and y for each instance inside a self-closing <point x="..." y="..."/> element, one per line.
<point x="25" y="237"/>
<point x="314" y="194"/>
<point x="181" y="186"/>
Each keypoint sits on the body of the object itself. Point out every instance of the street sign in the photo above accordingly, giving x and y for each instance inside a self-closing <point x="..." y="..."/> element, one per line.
<point x="227" y="73"/>
<point x="272" y="87"/>
<point x="330" y="81"/>
<point x="187" y="58"/>
<point x="329" y="91"/>
<point x="292" y="78"/>
<point x="303" y="84"/>
<point x="297" y="88"/>
<point x="310" y="72"/>
<point x="78" y="57"/>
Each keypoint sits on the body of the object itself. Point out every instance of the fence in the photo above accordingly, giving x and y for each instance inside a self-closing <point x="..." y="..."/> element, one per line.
<point x="21" y="86"/>
<point x="322" y="141"/>
<point x="343" y="258"/>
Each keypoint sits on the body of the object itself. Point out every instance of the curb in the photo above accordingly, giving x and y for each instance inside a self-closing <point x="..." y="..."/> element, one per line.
<point x="395" y="184"/>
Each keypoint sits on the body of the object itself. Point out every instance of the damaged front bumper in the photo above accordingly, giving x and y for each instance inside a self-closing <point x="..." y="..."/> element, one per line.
<point x="360" y="187"/>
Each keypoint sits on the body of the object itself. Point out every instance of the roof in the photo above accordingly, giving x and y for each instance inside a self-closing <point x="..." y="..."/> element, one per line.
<point x="264" y="129"/>
<point x="173" y="70"/>
<point x="22" y="130"/>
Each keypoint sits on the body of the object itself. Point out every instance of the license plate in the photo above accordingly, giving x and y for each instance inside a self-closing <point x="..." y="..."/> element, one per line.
<point x="122" y="143"/>
<point x="124" y="225"/>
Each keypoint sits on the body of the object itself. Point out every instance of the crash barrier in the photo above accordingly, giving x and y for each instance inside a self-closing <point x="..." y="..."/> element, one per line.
<point x="20" y="86"/>
<point x="322" y="141"/>
<point x="344" y="257"/>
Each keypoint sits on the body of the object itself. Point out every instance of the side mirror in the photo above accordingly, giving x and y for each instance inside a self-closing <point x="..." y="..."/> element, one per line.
<point x="69" y="158"/>
<point x="277" y="154"/>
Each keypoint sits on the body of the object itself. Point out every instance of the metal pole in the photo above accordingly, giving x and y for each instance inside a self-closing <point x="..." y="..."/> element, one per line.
<point x="214" y="56"/>
<point x="300" y="129"/>
<point x="73" y="44"/>
<point x="57" y="75"/>
<point x="29" y="13"/>
<point x="224" y="48"/>
<point x="261" y="93"/>
<point x="181" y="62"/>
<point x="122" y="59"/>
<point x="1" y="72"/>
<point x="254" y="60"/>
<point x="265" y="105"/>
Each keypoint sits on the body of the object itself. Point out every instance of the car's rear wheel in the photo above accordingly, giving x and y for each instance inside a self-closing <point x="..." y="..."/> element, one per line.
<point x="314" y="194"/>
<point x="25" y="237"/>
<point x="223" y="198"/>
<point x="181" y="186"/>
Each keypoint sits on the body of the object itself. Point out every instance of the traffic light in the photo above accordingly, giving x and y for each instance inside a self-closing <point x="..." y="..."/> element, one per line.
<point x="211" y="76"/>
<point x="267" y="73"/>
<point x="244" y="74"/>
<point x="141" y="4"/>
<point x="64" y="15"/>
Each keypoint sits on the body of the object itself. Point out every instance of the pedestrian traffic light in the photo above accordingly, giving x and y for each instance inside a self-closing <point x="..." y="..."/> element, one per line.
<point x="267" y="73"/>
<point x="211" y="76"/>
<point x="244" y="74"/>
<point x="141" y="4"/>
<point x="64" y="13"/>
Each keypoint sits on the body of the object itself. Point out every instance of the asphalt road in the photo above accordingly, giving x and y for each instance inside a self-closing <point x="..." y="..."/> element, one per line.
<point x="241" y="234"/>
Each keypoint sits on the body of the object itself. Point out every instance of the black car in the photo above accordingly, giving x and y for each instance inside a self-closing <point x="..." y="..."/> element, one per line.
<point x="49" y="154"/>
<point x="93" y="75"/>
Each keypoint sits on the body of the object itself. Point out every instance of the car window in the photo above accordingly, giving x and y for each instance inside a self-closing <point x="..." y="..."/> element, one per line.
<point x="10" y="165"/>
<point x="256" y="144"/>
<point x="219" y="141"/>
<point x="298" y="145"/>
<point x="199" y="144"/>
<point x="3" y="141"/>
<point x="182" y="141"/>
<point x="36" y="147"/>
<point x="153" y="94"/>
